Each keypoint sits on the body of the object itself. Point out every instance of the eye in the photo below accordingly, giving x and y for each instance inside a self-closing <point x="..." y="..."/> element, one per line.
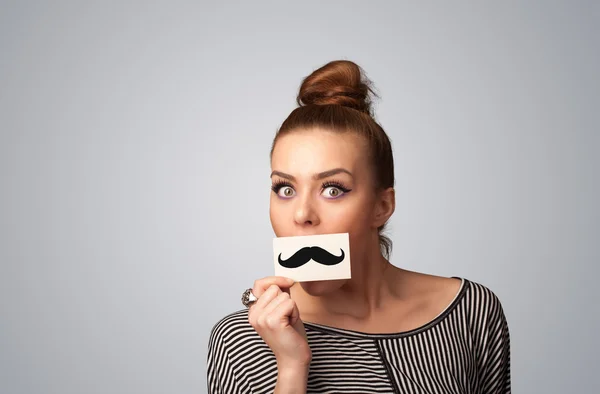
<point x="283" y="189"/>
<point x="286" y="192"/>
<point x="334" y="190"/>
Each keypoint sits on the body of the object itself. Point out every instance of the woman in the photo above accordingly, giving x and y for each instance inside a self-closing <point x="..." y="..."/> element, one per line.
<point x="385" y="330"/>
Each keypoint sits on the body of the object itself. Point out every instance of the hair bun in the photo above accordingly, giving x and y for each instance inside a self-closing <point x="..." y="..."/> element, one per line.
<point x="340" y="82"/>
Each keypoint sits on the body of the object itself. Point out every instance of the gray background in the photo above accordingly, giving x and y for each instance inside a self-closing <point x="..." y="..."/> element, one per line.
<point x="134" y="173"/>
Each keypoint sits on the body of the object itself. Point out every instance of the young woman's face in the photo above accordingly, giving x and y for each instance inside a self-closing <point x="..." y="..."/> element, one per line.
<point x="322" y="183"/>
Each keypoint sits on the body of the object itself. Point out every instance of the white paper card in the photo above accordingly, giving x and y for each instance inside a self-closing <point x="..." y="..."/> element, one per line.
<point x="312" y="257"/>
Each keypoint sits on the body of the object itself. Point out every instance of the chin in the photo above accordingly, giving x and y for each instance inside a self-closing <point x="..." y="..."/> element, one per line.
<point x="321" y="287"/>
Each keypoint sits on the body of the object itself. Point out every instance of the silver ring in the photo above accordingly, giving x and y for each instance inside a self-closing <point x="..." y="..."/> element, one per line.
<point x="248" y="298"/>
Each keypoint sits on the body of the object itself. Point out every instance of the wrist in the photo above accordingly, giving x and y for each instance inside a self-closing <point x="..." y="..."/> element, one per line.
<point x="291" y="378"/>
<point x="291" y="371"/>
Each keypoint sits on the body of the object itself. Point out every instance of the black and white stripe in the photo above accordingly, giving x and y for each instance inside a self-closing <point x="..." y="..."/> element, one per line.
<point x="466" y="349"/>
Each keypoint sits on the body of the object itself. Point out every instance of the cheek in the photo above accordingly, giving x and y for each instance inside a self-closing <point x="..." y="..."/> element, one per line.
<point x="281" y="221"/>
<point x="354" y="217"/>
<point x="275" y="225"/>
<point x="273" y="215"/>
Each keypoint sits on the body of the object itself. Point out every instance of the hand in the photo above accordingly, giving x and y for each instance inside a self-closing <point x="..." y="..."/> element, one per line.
<point x="276" y="318"/>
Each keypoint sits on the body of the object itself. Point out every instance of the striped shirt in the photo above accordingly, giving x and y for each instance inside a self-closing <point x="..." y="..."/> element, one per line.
<point x="465" y="349"/>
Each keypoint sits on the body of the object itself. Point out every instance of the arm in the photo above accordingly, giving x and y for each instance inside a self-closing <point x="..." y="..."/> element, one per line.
<point x="291" y="381"/>
<point x="495" y="362"/>
<point x="276" y="318"/>
<point x="220" y="374"/>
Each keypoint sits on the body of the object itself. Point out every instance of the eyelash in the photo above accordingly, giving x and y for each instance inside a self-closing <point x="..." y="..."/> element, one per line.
<point x="336" y="184"/>
<point x="279" y="184"/>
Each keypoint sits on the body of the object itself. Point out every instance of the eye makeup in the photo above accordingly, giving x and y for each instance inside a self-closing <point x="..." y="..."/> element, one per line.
<point x="279" y="184"/>
<point x="336" y="184"/>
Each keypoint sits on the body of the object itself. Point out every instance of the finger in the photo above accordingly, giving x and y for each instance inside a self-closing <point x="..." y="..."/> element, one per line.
<point x="266" y="311"/>
<point x="281" y="297"/>
<point x="266" y="298"/>
<point x="255" y="313"/>
<point x="261" y="285"/>
<point x="287" y="289"/>
<point x="294" y="315"/>
<point x="280" y="317"/>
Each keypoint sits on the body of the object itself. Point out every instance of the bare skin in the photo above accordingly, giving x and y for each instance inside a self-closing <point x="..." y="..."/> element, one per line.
<point x="407" y="300"/>
<point x="324" y="184"/>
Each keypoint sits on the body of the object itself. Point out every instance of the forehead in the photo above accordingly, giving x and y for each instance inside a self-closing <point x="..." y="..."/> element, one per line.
<point x="305" y="152"/>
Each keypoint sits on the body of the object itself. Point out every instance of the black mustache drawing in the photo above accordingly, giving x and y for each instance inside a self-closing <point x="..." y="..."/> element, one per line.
<point x="315" y="253"/>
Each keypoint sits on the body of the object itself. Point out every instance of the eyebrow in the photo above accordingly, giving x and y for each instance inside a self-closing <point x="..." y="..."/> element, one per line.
<point x="318" y="176"/>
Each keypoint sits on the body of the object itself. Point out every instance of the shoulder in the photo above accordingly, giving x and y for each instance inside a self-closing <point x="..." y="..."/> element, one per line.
<point x="490" y="336"/>
<point x="485" y="318"/>
<point x="481" y="301"/>
<point x="234" y="349"/>
<point x="233" y="335"/>
<point x="230" y="327"/>
<point x="431" y="293"/>
<point x="478" y="304"/>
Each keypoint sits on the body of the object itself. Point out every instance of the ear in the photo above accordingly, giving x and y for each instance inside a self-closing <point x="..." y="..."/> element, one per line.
<point x="385" y="207"/>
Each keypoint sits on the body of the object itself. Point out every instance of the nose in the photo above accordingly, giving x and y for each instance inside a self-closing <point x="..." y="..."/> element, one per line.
<point x="305" y="213"/>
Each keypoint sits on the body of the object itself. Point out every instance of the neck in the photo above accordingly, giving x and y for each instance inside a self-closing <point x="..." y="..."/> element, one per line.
<point x="358" y="297"/>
